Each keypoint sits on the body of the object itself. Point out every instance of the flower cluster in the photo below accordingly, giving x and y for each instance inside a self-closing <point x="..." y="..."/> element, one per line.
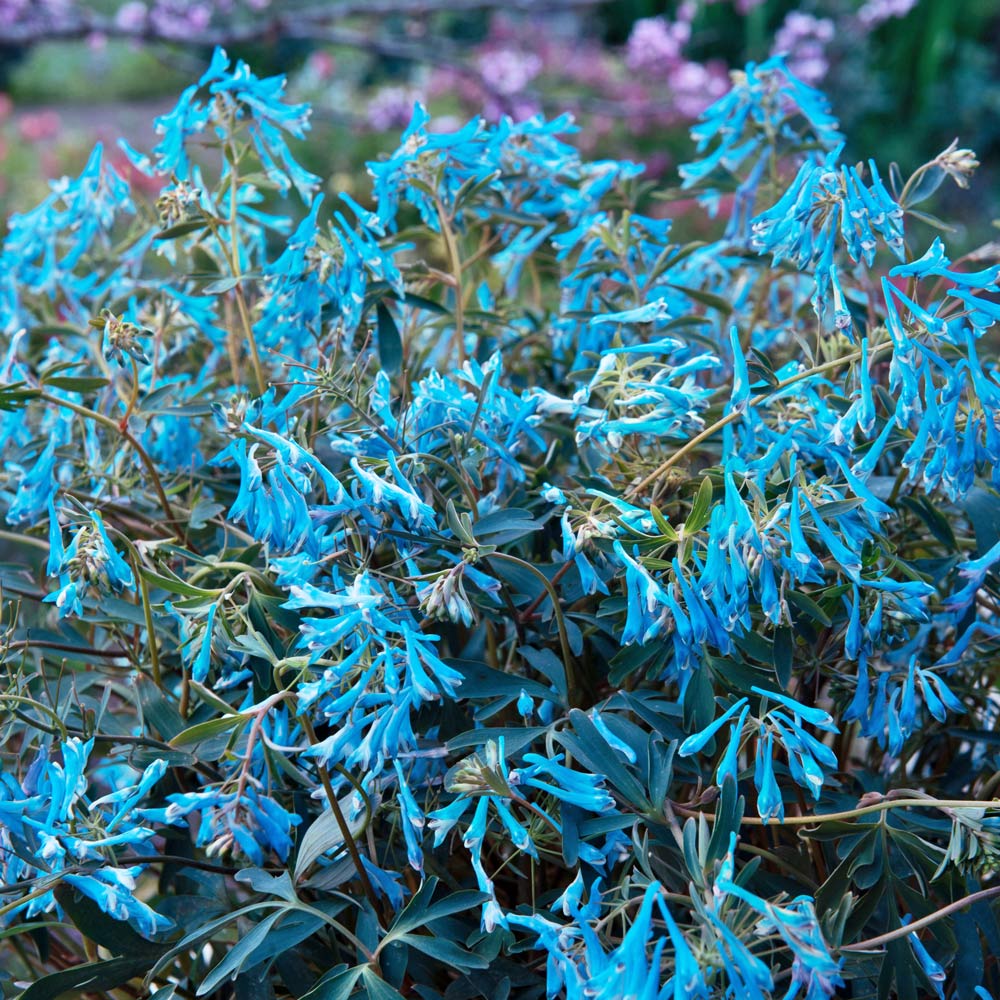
<point x="480" y="568"/>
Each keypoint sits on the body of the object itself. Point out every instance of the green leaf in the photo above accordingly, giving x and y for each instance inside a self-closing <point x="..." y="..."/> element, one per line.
<point x="203" y="512"/>
<point x="420" y="302"/>
<point x="206" y="730"/>
<point x="181" y="229"/>
<point x="508" y="525"/>
<point x="781" y="653"/>
<point x="982" y="507"/>
<point x="221" y="286"/>
<point x="699" y="701"/>
<point x="420" y="911"/>
<point x="376" y="987"/>
<point x="516" y="738"/>
<point x="808" y="606"/>
<point x="338" y="986"/>
<point x="115" y="935"/>
<point x="175" y="585"/>
<point x="76" y="383"/>
<point x="239" y="954"/>
<point x="931" y="220"/>
<point x="390" y="344"/>
<point x="445" y="951"/>
<point x="588" y="746"/>
<point x="13" y="397"/>
<point x="209" y="697"/>
<point x="728" y="816"/>
<point x="701" y="509"/>
<point x="323" y="836"/>
<point x="704" y="298"/>
<point x="930" y="180"/>
<point x="94" y="977"/>
<point x="268" y="884"/>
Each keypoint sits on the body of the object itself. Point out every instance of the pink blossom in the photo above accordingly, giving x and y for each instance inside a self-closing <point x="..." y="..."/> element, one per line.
<point x="802" y="39"/>
<point x="874" y="12"/>
<point x="35" y="126"/>
<point x="131" y="16"/>
<point x="391" y="108"/>
<point x="655" y="44"/>
<point x="508" y="71"/>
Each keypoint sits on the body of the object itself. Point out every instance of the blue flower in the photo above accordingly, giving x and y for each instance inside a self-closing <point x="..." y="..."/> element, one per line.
<point x="931" y="968"/>
<point x="114" y="891"/>
<point x="696" y="743"/>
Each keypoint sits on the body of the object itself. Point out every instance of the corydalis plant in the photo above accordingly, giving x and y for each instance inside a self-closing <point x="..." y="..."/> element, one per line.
<point x="479" y="573"/>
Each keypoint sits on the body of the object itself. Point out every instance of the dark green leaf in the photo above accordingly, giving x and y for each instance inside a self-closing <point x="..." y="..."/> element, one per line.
<point x="390" y="344"/>
<point x="181" y="229"/>
<point x="221" y="286"/>
<point x="708" y="299"/>
<point x="336" y="986"/>
<point x="323" y="836"/>
<point x="588" y="746"/>
<point x="445" y="951"/>
<point x="241" y="953"/>
<point x="95" y="977"/>
<point x="115" y="935"/>
<point x="76" y="383"/>
<point x="808" y="607"/>
<point x="782" y="650"/>
<point x="377" y="988"/>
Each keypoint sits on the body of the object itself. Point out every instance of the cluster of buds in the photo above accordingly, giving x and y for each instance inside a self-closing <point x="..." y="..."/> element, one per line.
<point x="240" y="410"/>
<point x="92" y="559"/>
<point x="446" y="597"/>
<point x="177" y="204"/>
<point x="486" y="775"/>
<point x="325" y="256"/>
<point x="121" y="338"/>
<point x="958" y="164"/>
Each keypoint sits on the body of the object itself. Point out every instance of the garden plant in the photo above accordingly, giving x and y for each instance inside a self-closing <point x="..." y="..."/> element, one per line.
<point x="470" y="590"/>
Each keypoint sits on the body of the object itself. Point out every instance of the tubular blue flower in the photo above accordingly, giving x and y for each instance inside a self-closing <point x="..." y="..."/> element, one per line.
<point x="647" y="601"/>
<point x="618" y="744"/>
<point x="89" y="562"/>
<point x="203" y="661"/>
<point x="931" y="969"/>
<point x="412" y="820"/>
<point x="575" y="787"/>
<point x="769" y="801"/>
<point x="741" y="378"/>
<point x="814" y="716"/>
<point x="696" y="743"/>
<point x="729" y="762"/>
<point x="113" y="889"/>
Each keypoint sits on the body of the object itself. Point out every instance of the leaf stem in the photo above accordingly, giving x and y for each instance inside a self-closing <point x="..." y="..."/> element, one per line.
<point x="916" y="925"/>
<point x="735" y="415"/>
<point x="83" y="411"/>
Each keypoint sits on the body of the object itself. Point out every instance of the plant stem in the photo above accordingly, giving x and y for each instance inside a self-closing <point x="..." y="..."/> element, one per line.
<point x="147" y="611"/>
<point x="735" y="415"/>
<point x="456" y="268"/>
<point x="127" y="435"/>
<point x="338" y="815"/>
<point x="574" y="688"/>
<point x="916" y="925"/>
<point x="234" y="253"/>
<point x="846" y="814"/>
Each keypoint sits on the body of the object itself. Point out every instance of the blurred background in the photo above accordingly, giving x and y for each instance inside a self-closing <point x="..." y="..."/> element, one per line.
<point x="905" y="77"/>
